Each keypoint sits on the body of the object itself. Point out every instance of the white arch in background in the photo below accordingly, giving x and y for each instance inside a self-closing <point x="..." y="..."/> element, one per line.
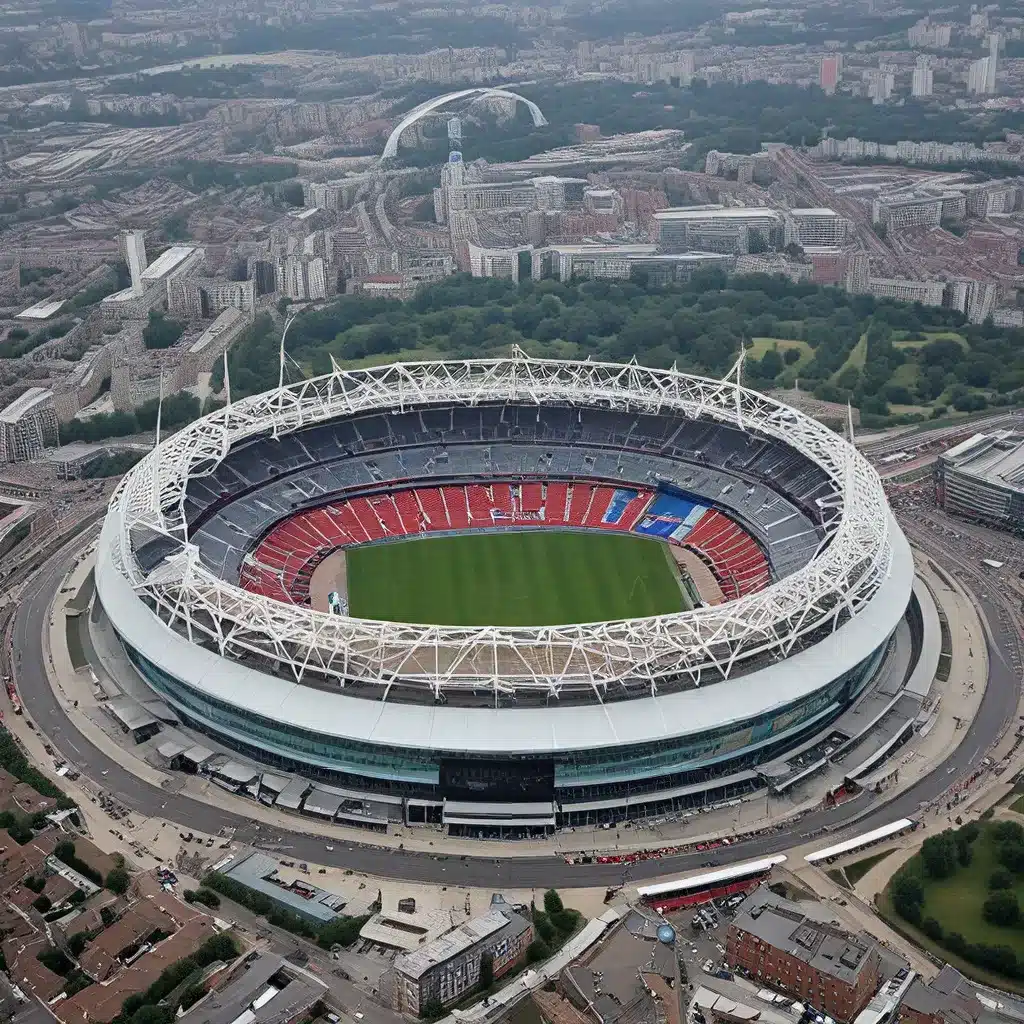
<point x="391" y="146"/>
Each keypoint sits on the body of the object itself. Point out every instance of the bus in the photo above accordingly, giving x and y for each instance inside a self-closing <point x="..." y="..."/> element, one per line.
<point x="712" y="885"/>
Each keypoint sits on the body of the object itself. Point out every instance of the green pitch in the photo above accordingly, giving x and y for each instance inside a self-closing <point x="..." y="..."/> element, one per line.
<point x="525" y="578"/>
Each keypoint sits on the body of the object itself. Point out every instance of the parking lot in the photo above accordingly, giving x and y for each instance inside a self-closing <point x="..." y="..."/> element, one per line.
<point x="698" y="944"/>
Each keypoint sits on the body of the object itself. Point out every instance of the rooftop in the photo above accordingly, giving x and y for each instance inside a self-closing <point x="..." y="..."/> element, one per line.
<point x="167" y="261"/>
<point x="784" y="925"/>
<point x="717" y="213"/>
<point x="996" y="458"/>
<point x="25" y="404"/>
<point x="42" y="310"/>
<point x="813" y="211"/>
<point x="443" y="948"/>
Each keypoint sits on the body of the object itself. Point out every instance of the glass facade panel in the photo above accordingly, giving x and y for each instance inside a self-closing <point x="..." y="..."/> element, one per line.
<point x="712" y="752"/>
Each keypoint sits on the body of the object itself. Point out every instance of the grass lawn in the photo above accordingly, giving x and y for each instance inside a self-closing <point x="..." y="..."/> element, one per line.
<point x="857" y="357"/>
<point x="929" y="336"/>
<point x="513" y="578"/>
<point x="1018" y="805"/>
<point x="859" y="868"/>
<point x="956" y="902"/>
<point x="762" y="345"/>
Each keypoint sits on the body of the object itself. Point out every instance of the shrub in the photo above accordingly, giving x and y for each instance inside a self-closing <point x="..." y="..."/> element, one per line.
<point x="1000" y="879"/>
<point x="932" y="929"/>
<point x="539" y="950"/>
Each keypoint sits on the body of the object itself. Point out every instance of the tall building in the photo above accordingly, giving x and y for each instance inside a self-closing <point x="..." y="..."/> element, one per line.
<point x="994" y="40"/>
<point x="978" y="77"/>
<point x="921" y="78"/>
<point x="926" y="33"/>
<point x="27" y="426"/>
<point x="830" y="70"/>
<point x="880" y="85"/>
<point x="133" y="248"/>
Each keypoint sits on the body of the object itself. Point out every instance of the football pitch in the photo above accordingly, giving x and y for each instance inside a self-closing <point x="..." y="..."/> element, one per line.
<point x="515" y="578"/>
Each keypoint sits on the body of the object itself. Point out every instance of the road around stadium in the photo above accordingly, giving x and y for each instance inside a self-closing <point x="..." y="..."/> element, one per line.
<point x="997" y="710"/>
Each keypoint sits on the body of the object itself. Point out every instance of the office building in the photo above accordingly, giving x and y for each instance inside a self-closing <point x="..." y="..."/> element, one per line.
<point x="734" y="229"/>
<point x="814" y="226"/>
<point x="829" y="71"/>
<point x="27" y="426"/>
<point x="447" y="968"/>
<point x="921" y="79"/>
<point x="830" y="970"/>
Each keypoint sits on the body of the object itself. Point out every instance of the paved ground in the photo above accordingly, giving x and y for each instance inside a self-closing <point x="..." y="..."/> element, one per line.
<point x="997" y="709"/>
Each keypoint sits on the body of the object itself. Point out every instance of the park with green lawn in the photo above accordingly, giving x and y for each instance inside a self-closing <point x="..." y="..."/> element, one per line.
<point x="962" y="897"/>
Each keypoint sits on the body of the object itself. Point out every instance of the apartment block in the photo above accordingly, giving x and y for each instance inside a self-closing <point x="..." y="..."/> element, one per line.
<point x="731" y="229"/>
<point x="27" y="426"/>
<point x="827" y="969"/>
<point x="928" y="293"/>
<point x="447" y="968"/>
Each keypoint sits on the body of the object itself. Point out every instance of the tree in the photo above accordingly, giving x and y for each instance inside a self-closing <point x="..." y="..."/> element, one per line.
<point x="432" y="1009"/>
<point x="118" y="880"/>
<point x="1011" y="856"/>
<point x="42" y="904"/>
<point x="1008" y="831"/>
<point x="1001" y="908"/>
<point x="907" y="895"/>
<point x="932" y="929"/>
<point x="176" y="227"/>
<point x="486" y="971"/>
<point x="771" y="364"/>
<point x="161" y="331"/>
<point x="1000" y="879"/>
<point x="938" y="855"/>
<point x="553" y="902"/>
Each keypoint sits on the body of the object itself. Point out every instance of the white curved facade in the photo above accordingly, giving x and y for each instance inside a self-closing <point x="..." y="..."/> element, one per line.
<point x="755" y="679"/>
<point x="481" y="92"/>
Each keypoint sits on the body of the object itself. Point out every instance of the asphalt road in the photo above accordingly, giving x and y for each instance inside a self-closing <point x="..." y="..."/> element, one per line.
<point x="998" y="708"/>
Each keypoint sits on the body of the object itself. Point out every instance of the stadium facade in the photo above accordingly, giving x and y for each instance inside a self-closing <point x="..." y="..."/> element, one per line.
<point x="482" y="726"/>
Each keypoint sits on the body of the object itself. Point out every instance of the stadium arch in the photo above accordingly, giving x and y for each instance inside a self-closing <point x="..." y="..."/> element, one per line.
<point x="481" y="92"/>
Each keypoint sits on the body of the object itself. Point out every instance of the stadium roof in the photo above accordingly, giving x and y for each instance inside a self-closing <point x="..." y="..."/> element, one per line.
<point x="488" y="730"/>
<point x="863" y="573"/>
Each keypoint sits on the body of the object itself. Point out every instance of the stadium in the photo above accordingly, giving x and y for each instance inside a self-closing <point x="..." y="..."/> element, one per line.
<point x="511" y="594"/>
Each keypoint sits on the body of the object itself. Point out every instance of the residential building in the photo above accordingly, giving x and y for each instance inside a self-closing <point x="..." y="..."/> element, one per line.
<point x="829" y="70"/>
<point x="946" y="999"/>
<point x="28" y="425"/>
<point x="921" y="79"/>
<point x="880" y="84"/>
<point x="978" y="76"/>
<point x="494" y="262"/>
<point x="447" y="968"/>
<point x="928" y="293"/>
<point x="827" y="969"/>
<point x="133" y="248"/>
<point x="927" y="33"/>
<point x="994" y="42"/>
<point x="907" y="210"/>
